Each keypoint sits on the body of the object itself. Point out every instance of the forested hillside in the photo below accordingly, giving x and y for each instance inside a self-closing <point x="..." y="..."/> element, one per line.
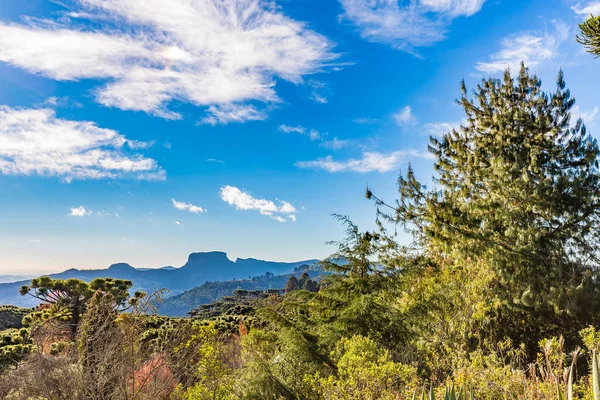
<point x="496" y="297"/>
<point x="181" y="304"/>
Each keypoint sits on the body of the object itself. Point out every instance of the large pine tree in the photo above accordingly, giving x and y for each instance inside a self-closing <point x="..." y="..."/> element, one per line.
<point x="518" y="191"/>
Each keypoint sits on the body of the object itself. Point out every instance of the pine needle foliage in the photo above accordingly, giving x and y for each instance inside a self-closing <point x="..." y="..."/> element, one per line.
<point x="518" y="190"/>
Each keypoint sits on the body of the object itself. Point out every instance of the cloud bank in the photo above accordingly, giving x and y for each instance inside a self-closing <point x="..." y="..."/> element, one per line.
<point x="532" y="48"/>
<point x="406" y="25"/>
<point x="245" y="201"/>
<point x="370" y="161"/>
<point x="36" y="142"/>
<point x="212" y="53"/>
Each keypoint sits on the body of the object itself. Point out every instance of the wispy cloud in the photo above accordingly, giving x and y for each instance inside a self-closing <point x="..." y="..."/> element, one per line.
<point x="214" y="160"/>
<point x="370" y="162"/>
<point x="589" y="117"/>
<point x="532" y="48"/>
<point x="232" y="113"/>
<point x="35" y="142"/>
<point x="313" y="134"/>
<point x="591" y="7"/>
<point x="138" y="144"/>
<point x="316" y="136"/>
<point x="61" y="102"/>
<point x="405" y="116"/>
<point x="439" y="128"/>
<point x="319" y="91"/>
<point x="406" y="25"/>
<point x="108" y="214"/>
<point x="292" y="129"/>
<point x="335" y="143"/>
<point x="203" y="52"/>
<point x="80" y="211"/>
<point x="243" y="200"/>
<point x="187" y="207"/>
<point x="365" y="121"/>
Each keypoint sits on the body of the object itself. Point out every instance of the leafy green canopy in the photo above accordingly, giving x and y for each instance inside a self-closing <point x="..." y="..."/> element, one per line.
<point x="518" y="191"/>
<point x="590" y="35"/>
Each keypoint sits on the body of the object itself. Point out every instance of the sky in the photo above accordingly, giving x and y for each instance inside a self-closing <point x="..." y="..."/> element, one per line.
<point x="132" y="131"/>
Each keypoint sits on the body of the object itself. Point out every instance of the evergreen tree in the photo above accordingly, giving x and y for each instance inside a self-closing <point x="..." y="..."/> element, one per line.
<point x="68" y="298"/>
<point x="519" y="192"/>
<point x="311" y="286"/>
<point x="355" y="254"/>
<point x="590" y="35"/>
<point x="303" y="279"/>
<point x="292" y="284"/>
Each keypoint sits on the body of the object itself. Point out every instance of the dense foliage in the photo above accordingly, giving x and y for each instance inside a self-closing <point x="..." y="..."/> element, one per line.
<point x="496" y="298"/>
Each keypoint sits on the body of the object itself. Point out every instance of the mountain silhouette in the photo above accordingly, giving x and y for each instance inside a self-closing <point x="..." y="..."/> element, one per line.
<point x="200" y="268"/>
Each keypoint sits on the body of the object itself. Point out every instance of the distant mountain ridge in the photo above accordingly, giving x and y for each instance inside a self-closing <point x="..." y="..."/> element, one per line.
<point x="181" y="304"/>
<point x="200" y="268"/>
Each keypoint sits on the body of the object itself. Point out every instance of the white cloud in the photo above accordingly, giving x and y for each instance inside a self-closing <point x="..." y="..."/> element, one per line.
<point x="335" y="144"/>
<point x="316" y="135"/>
<point x="292" y="129"/>
<point x="35" y="142"/>
<point x="80" y="211"/>
<point x="592" y="7"/>
<point x="406" y="24"/>
<point x="138" y="144"/>
<point x="532" y="48"/>
<point x="214" y="160"/>
<point x="177" y="223"/>
<point x="245" y="201"/>
<point x="203" y="52"/>
<point x="187" y="207"/>
<point x="232" y="113"/>
<point x="405" y="116"/>
<point x="292" y="217"/>
<point x="370" y="162"/>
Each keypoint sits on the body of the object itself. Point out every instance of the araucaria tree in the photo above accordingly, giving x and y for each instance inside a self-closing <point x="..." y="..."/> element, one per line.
<point x="68" y="298"/>
<point x="590" y="35"/>
<point x="517" y="199"/>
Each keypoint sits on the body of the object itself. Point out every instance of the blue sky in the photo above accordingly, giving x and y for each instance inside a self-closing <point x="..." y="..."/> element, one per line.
<point x="131" y="131"/>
